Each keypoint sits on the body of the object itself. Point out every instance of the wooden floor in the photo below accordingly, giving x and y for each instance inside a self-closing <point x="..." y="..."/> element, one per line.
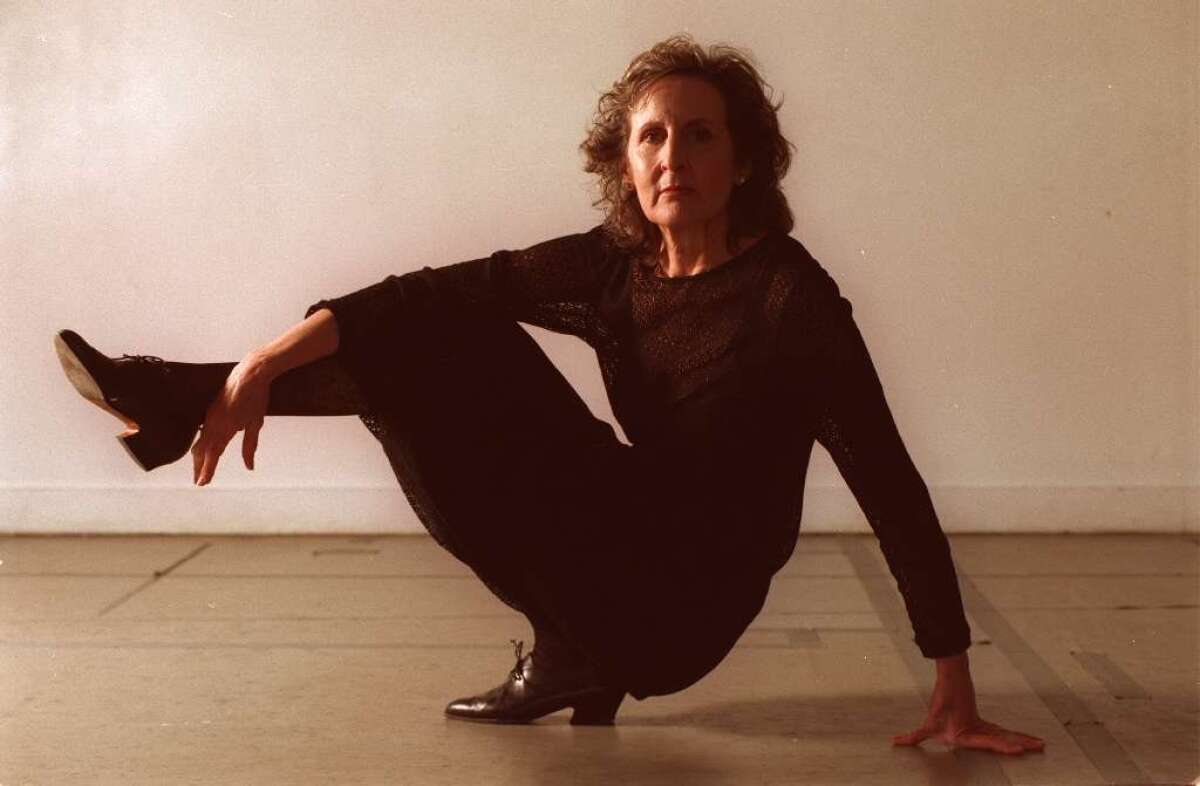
<point x="328" y="660"/>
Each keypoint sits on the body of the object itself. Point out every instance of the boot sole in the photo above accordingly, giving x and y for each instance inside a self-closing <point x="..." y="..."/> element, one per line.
<point x="597" y="708"/>
<point x="527" y="722"/>
<point x="85" y="383"/>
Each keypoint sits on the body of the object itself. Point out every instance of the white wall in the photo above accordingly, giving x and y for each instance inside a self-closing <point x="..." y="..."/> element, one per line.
<point x="1007" y="192"/>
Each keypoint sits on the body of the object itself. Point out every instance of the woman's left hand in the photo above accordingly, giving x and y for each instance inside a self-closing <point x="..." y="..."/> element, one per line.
<point x="954" y="719"/>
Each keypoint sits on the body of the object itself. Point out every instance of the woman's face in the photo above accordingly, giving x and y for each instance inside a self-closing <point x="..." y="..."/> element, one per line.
<point x="678" y="136"/>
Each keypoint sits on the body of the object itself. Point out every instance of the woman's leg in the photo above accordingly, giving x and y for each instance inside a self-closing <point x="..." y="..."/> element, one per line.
<point x="319" y="388"/>
<point x="470" y="419"/>
<point x="483" y="439"/>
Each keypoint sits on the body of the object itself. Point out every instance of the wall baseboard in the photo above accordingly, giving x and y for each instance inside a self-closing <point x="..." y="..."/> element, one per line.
<point x="308" y="510"/>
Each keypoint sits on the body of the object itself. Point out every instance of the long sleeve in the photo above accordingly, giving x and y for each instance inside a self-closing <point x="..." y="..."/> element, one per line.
<point x="552" y="284"/>
<point x="855" y="424"/>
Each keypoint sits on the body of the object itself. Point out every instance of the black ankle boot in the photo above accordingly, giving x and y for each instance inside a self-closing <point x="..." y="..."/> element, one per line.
<point x="535" y="688"/>
<point x="163" y="404"/>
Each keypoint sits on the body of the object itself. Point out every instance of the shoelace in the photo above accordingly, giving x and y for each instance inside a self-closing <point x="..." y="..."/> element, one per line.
<point x="516" y="674"/>
<point x="144" y="358"/>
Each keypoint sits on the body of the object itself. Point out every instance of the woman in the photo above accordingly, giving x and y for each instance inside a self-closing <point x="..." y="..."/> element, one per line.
<point x="726" y="349"/>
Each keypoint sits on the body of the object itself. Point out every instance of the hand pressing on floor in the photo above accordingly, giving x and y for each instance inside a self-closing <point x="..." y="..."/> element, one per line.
<point x="954" y="719"/>
<point x="241" y="404"/>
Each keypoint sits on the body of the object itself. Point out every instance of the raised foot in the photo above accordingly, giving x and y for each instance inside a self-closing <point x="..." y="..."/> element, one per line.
<point x="154" y="435"/>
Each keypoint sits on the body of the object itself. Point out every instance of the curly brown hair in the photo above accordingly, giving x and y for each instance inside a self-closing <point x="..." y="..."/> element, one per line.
<point x="757" y="205"/>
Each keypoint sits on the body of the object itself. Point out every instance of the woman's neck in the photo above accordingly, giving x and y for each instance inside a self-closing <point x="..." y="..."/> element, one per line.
<point x="688" y="251"/>
<point x="692" y="249"/>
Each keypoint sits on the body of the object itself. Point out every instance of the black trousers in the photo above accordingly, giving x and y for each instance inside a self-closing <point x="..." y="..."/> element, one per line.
<point x="490" y="444"/>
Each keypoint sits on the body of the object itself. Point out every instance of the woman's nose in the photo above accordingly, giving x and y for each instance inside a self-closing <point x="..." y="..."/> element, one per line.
<point x="674" y="155"/>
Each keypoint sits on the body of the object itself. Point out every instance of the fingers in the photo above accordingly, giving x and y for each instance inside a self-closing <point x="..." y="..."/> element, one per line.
<point x="1000" y="740"/>
<point x="985" y="736"/>
<point x="250" y="443"/>
<point x="212" y="453"/>
<point x="197" y="457"/>
<point x="200" y="446"/>
<point x="913" y="737"/>
<point x="1028" y="741"/>
<point x="988" y="741"/>
<point x="205" y="454"/>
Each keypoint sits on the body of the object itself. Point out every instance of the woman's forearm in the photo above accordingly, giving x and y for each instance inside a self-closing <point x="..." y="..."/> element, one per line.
<point x="304" y="342"/>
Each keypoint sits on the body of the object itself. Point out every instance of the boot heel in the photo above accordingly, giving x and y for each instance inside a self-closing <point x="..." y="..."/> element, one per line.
<point x="157" y="446"/>
<point x="598" y="709"/>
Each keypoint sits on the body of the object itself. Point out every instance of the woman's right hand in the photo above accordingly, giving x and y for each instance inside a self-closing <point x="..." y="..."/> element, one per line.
<point x="241" y="404"/>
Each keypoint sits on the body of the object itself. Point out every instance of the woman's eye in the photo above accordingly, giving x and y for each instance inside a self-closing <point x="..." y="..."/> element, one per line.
<point x="656" y="135"/>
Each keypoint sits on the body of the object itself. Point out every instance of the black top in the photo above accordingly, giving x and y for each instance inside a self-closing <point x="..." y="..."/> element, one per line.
<point x="721" y="381"/>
